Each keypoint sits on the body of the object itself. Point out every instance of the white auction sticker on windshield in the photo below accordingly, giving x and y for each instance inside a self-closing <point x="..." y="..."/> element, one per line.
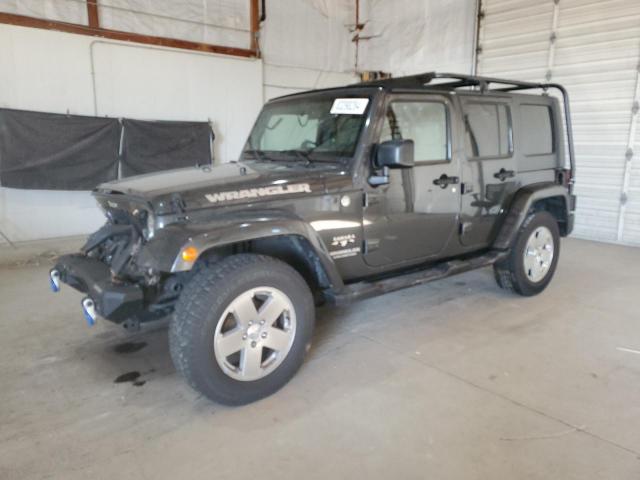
<point x="349" y="106"/>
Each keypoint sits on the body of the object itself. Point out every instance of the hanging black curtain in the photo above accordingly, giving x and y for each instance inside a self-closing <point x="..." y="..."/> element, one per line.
<point x="149" y="146"/>
<point x="53" y="151"/>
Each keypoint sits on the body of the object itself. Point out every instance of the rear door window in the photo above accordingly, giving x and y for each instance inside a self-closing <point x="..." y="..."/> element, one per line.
<point x="537" y="130"/>
<point x="488" y="130"/>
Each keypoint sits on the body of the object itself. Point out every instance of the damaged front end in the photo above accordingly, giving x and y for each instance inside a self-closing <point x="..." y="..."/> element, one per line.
<point x="106" y="270"/>
<point x="113" y="299"/>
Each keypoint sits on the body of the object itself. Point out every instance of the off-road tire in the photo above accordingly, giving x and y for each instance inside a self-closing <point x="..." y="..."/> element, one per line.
<point x="199" y="308"/>
<point x="510" y="272"/>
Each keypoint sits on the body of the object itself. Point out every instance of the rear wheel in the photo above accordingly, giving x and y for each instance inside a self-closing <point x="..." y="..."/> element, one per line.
<point x="241" y="328"/>
<point x="532" y="261"/>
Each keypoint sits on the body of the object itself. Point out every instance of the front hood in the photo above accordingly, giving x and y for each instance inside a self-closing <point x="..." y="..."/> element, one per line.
<point x="179" y="180"/>
<point x="225" y="184"/>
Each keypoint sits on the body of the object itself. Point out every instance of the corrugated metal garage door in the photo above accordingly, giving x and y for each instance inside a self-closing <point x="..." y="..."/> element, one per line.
<point x="593" y="48"/>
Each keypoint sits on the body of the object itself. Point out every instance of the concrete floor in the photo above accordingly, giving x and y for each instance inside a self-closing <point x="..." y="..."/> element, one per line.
<point x="452" y="380"/>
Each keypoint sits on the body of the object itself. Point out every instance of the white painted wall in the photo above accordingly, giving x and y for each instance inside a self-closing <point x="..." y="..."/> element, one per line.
<point x="309" y="33"/>
<point x="285" y="80"/>
<point x="405" y="37"/>
<point x="55" y="72"/>
<point x="307" y="44"/>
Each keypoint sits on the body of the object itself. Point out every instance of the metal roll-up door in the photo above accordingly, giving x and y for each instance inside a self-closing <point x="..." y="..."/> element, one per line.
<point x="593" y="48"/>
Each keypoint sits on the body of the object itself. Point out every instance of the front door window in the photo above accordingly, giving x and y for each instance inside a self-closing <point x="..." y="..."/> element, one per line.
<point x="423" y="122"/>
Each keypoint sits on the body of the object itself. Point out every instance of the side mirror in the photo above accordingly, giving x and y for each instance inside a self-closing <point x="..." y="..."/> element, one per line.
<point x="395" y="154"/>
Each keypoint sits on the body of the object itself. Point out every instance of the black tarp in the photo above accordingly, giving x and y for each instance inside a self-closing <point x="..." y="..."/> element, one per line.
<point x="54" y="151"/>
<point x="151" y="146"/>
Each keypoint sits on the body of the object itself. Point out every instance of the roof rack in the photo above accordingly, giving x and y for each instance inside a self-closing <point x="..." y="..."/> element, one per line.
<point x="424" y="80"/>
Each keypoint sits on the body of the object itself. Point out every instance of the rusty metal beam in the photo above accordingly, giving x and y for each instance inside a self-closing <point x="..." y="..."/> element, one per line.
<point x="92" y="13"/>
<point x="24" y="21"/>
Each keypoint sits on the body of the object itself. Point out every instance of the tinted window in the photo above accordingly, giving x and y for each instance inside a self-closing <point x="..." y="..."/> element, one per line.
<point x="537" y="132"/>
<point x="423" y="122"/>
<point x="488" y="130"/>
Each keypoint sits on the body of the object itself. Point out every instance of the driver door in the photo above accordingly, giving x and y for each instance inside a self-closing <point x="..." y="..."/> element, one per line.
<point x="412" y="219"/>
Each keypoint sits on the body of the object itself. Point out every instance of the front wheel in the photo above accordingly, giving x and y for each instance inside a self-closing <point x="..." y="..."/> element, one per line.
<point x="533" y="258"/>
<point x="241" y="328"/>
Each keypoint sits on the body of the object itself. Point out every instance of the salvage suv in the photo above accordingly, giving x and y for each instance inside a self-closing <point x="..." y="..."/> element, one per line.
<point x="339" y="194"/>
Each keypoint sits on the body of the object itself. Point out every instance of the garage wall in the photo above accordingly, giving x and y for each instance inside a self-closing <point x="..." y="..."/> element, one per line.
<point x="307" y="44"/>
<point x="593" y="48"/>
<point x="58" y="72"/>
<point x="303" y="47"/>
<point x="283" y="80"/>
<point x="406" y="37"/>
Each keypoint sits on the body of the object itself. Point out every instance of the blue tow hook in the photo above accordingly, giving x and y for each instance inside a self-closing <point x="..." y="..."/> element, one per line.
<point x="54" y="280"/>
<point x="89" y="310"/>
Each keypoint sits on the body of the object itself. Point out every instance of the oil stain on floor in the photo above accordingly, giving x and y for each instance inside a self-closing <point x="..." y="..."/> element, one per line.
<point x="129" y="347"/>
<point x="132" y="377"/>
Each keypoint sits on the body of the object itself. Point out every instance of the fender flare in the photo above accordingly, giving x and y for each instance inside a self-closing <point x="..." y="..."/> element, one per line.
<point x="224" y="232"/>
<point x="522" y="203"/>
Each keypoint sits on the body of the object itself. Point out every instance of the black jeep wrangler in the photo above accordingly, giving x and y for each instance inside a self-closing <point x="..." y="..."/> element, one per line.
<point x="339" y="194"/>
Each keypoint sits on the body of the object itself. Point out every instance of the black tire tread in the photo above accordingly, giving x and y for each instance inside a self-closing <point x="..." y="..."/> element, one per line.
<point x="505" y="271"/>
<point x="192" y="306"/>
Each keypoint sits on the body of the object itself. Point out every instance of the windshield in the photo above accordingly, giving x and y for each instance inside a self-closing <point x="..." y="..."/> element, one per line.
<point x="308" y="129"/>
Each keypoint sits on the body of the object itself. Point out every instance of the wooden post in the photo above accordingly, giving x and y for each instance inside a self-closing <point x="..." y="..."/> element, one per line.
<point x="254" y="19"/>
<point x="92" y="11"/>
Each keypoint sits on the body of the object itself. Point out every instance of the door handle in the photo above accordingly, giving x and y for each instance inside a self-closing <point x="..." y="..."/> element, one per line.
<point x="443" y="181"/>
<point x="503" y="174"/>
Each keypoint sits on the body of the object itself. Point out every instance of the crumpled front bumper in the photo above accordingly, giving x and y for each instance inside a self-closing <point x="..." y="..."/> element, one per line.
<point x="114" y="301"/>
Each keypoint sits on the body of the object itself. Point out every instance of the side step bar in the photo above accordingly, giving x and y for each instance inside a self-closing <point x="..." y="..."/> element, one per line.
<point x="366" y="289"/>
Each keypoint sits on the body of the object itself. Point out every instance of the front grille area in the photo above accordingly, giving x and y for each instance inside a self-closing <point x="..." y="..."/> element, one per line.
<point x="114" y="245"/>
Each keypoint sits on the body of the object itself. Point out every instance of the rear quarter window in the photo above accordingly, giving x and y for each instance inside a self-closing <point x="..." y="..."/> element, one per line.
<point x="537" y="130"/>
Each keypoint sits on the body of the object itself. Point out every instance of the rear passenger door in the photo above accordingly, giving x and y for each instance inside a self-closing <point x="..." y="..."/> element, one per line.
<point x="489" y="173"/>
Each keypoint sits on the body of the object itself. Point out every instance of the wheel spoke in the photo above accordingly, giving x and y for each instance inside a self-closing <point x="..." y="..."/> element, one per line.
<point x="277" y="339"/>
<point x="538" y="254"/>
<point x="230" y="342"/>
<point x="244" y="331"/>
<point x="529" y="264"/>
<point x="251" y="361"/>
<point x="245" y="311"/>
<point x="538" y="239"/>
<point x="271" y="310"/>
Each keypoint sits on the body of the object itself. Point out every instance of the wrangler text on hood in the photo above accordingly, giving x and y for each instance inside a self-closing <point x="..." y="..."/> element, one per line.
<point x="258" y="192"/>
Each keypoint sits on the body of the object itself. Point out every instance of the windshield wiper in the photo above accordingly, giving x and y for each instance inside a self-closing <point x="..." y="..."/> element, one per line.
<point x="302" y="154"/>
<point x="306" y="155"/>
<point x="255" y="152"/>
